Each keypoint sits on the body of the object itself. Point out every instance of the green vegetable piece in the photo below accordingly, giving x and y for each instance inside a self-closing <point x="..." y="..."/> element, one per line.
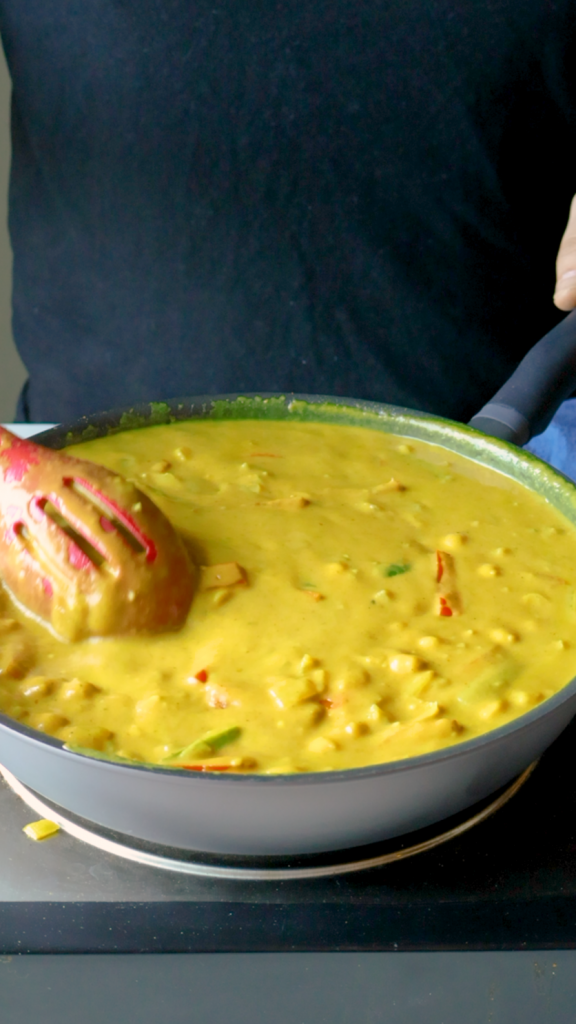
<point x="395" y="569"/>
<point x="207" y="744"/>
<point x="486" y="676"/>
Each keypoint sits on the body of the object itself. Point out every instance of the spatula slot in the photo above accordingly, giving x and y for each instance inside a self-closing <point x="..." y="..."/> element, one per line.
<point x="77" y="538"/>
<point x="21" y="534"/>
<point x="114" y="517"/>
<point x="126" y="534"/>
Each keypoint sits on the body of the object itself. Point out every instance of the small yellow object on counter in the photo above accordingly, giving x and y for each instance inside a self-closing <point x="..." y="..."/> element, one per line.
<point x="42" y="829"/>
<point x="360" y="600"/>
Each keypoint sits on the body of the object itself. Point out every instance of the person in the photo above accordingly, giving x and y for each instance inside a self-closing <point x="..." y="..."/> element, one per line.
<point x="318" y="196"/>
<point x="565" y="292"/>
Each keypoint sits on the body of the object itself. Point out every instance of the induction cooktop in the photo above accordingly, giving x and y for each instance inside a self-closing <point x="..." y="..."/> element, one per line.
<point x="506" y="880"/>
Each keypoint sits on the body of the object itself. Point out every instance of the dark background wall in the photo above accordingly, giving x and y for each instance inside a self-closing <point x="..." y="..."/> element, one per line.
<point x="12" y="372"/>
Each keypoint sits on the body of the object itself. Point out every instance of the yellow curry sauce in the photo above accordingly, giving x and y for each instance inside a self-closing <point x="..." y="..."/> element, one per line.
<point x="363" y="598"/>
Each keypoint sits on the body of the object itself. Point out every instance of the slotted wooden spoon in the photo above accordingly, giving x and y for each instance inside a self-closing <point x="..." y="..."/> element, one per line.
<point x="83" y="549"/>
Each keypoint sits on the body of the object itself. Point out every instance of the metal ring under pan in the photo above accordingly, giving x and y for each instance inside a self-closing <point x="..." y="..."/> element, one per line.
<point x="269" y="869"/>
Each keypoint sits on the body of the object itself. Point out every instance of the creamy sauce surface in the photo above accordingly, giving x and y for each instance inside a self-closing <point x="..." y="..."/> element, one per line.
<point x="361" y="598"/>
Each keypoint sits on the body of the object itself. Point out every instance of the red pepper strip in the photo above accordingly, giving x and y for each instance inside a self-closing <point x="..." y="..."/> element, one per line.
<point x="216" y="764"/>
<point x="332" y="702"/>
<point x="202" y="676"/>
<point x="440" y="566"/>
<point x="448" y="597"/>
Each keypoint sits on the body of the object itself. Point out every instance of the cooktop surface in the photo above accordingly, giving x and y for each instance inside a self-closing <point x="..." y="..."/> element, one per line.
<point x="508" y="882"/>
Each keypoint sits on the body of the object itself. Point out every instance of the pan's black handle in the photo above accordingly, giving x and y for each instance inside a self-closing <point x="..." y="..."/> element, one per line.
<point x="527" y="402"/>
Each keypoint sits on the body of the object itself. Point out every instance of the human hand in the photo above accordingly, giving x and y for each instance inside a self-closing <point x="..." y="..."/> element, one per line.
<point x="565" y="294"/>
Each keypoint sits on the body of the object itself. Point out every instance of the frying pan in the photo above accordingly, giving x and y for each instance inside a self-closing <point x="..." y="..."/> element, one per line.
<point x="318" y="811"/>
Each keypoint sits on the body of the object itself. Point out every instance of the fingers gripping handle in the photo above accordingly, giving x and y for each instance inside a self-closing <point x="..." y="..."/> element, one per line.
<point x="527" y="401"/>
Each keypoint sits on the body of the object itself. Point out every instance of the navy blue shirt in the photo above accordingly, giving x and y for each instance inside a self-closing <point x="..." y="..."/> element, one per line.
<point x="331" y="196"/>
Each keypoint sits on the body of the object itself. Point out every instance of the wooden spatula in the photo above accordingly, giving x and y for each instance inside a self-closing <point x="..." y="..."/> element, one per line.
<point x="83" y="549"/>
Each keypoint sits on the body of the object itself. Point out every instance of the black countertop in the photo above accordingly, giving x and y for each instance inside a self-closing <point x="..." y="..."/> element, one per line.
<point x="509" y="883"/>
